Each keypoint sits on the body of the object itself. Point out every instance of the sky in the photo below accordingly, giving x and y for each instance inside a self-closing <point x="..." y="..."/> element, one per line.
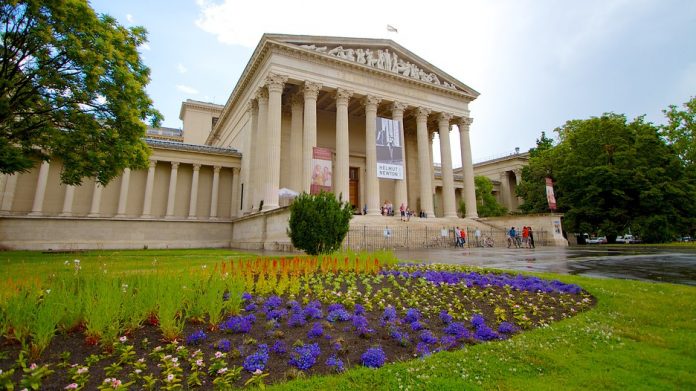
<point x="536" y="63"/>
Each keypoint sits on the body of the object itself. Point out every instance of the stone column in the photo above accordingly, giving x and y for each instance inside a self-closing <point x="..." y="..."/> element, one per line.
<point x="234" y="197"/>
<point x="467" y="167"/>
<point x="296" y="160"/>
<point x="400" y="185"/>
<point x="149" y="185"/>
<point x="504" y="190"/>
<point x="68" y="201"/>
<point x="250" y="156"/>
<point x="309" y="132"/>
<point x="371" y="181"/>
<point x="214" y="193"/>
<point x="260" y="150"/>
<point x="8" y="194"/>
<point x="448" y="199"/>
<point x="424" y="163"/>
<point x="341" y="179"/>
<point x="96" y="200"/>
<point x="513" y="194"/>
<point x="171" y="195"/>
<point x="193" y="202"/>
<point x="275" y="84"/>
<point x="123" y="194"/>
<point x="37" y="207"/>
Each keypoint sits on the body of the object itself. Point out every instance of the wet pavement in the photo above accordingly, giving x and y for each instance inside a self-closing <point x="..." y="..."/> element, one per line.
<point x="674" y="265"/>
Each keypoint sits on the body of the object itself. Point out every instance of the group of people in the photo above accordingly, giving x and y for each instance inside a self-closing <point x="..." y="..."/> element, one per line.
<point x="387" y="209"/>
<point x="460" y="237"/>
<point x="521" y="238"/>
<point x="405" y="212"/>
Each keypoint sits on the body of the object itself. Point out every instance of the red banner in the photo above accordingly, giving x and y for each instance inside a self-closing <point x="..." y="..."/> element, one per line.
<point x="549" y="194"/>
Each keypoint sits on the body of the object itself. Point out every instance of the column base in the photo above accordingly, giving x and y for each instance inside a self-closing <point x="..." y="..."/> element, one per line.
<point x="94" y="215"/>
<point x="67" y="214"/>
<point x="146" y="216"/>
<point x="192" y="218"/>
<point x="120" y="215"/>
<point x="35" y="214"/>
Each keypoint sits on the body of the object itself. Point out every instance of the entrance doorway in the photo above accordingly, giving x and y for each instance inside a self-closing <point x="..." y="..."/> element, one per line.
<point x="354" y="188"/>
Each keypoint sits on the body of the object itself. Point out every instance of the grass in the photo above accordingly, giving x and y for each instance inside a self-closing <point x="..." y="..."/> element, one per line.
<point x="639" y="336"/>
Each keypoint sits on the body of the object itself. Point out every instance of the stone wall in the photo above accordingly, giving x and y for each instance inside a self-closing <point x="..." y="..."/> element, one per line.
<point x="49" y="233"/>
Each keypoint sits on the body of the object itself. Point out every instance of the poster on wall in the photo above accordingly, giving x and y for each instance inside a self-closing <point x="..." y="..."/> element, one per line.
<point x="549" y="194"/>
<point x="321" y="173"/>
<point x="390" y="157"/>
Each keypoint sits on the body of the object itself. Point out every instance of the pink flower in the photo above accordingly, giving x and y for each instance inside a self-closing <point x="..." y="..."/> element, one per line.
<point x="199" y="362"/>
<point x="222" y="370"/>
<point x="170" y="377"/>
<point x="218" y="354"/>
<point x="257" y="372"/>
<point x="71" y="386"/>
<point x="82" y="370"/>
<point x="123" y="339"/>
<point x="33" y="366"/>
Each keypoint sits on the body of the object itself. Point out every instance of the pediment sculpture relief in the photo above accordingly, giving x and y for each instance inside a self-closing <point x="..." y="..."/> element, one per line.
<point x="382" y="59"/>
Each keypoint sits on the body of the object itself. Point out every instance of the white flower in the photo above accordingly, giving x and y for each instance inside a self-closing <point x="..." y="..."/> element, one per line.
<point x="170" y="377"/>
<point x="71" y="386"/>
<point x="77" y="262"/>
<point x="199" y="362"/>
<point x="138" y="371"/>
<point x="33" y="366"/>
<point x="257" y="372"/>
<point x="123" y="339"/>
<point x="222" y="370"/>
<point x="218" y="354"/>
<point x="82" y="370"/>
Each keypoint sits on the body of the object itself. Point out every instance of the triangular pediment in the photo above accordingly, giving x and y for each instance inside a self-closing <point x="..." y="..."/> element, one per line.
<point x="382" y="54"/>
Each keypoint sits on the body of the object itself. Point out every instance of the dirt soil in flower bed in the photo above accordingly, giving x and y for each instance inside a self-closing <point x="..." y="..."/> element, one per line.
<point x="147" y="338"/>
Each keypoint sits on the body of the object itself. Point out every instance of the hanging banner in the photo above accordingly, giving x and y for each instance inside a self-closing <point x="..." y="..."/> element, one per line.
<point x="321" y="174"/>
<point x="390" y="158"/>
<point x="549" y="194"/>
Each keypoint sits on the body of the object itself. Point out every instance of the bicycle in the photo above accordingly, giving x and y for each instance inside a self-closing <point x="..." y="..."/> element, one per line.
<point x="488" y="241"/>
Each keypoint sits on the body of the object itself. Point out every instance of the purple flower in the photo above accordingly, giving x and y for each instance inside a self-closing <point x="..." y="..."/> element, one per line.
<point x="335" y="306"/>
<point x="477" y="321"/>
<point x="361" y="326"/>
<point x="297" y="320"/>
<point x="506" y="328"/>
<point x="316" y="331"/>
<point x="426" y="336"/>
<point x="389" y="314"/>
<point x="279" y="348"/>
<point x="294" y="306"/>
<point x="397" y="335"/>
<point x="257" y="360"/>
<point x="339" y="314"/>
<point x="196" y="338"/>
<point x="485" y="333"/>
<point x="312" y="313"/>
<point x="412" y="315"/>
<point x="458" y="330"/>
<point x="359" y="310"/>
<point x="305" y="356"/>
<point x="416" y="325"/>
<point x="448" y="342"/>
<point x="422" y="349"/>
<point x="223" y="345"/>
<point x="373" y="357"/>
<point x="238" y="324"/>
<point x="251" y="307"/>
<point x="335" y="363"/>
<point x="247" y="296"/>
<point x="445" y="317"/>
<point x="276" y="314"/>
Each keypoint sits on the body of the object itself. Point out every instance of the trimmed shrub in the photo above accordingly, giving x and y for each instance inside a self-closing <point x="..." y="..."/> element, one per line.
<point x="318" y="223"/>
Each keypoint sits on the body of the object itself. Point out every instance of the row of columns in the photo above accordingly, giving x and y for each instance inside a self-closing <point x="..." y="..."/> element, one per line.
<point x="95" y="206"/>
<point x="266" y="114"/>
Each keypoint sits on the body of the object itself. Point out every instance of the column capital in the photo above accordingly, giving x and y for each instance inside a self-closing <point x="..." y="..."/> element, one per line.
<point x="252" y="105"/>
<point x="196" y="166"/>
<point x="275" y="82"/>
<point x="297" y="101"/>
<point x="422" y="113"/>
<point x="235" y="170"/>
<point x="371" y="102"/>
<point x="311" y="89"/>
<point x="261" y="95"/>
<point x="464" y="123"/>
<point x="175" y="165"/>
<point x="217" y="169"/>
<point x="342" y="96"/>
<point x="444" y="117"/>
<point x="503" y="175"/>
<point x="398" y="107"/>
<point x="153" y="163"/>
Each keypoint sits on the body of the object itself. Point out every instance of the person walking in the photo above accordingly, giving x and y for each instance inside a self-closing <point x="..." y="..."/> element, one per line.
<point x="511" y="237"/>
<point x="531" y="238"/>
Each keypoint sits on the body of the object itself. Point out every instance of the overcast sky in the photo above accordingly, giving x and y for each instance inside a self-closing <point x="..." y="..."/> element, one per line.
<point x="536" y="63"/>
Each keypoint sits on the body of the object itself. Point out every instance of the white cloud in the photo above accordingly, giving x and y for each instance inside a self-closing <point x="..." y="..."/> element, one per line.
<point x="181" y="68"/>
<point x="187" y="89"/>
<point x="130" y="18"/>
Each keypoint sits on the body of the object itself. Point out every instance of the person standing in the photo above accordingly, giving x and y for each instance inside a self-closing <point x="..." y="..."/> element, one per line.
<point x="531" y="238"/>
<point x="402" y="209"/>
<point x="511" y="237"/>
<point x="525" y="236"/>
<point x="477" y="236"/>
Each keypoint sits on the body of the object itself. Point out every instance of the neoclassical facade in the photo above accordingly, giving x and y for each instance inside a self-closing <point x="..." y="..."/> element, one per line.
<point x="300" y="92"/>
<point x="219" y="182"/>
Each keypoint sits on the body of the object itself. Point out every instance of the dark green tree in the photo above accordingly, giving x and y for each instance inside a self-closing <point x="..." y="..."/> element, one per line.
<point x="532" y="188"/>
<point x="72" y="87"/>
<point x="611" y="176"/>
<point x="486" y="204"/>
<point x="318" y="223"/>
<point x="680" y="131"/>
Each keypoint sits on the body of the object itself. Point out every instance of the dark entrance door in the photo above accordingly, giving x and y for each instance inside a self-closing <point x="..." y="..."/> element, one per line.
<point x="354" y="187"/>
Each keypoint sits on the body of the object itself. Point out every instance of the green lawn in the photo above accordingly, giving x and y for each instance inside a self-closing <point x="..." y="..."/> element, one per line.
<point x="639" y="336"/>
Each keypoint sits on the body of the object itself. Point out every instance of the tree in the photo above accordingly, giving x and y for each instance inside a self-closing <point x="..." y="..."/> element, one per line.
<point x="318" y="223"/>
<point x="680" y="131"/>
<point x="532" y="188"/>
<point x="71" y="87"/>
<point x="486" y="204"/>
<point x="612" y="175"/>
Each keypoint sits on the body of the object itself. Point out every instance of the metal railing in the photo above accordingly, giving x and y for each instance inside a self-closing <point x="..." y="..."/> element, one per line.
<point x="375" y="238"/>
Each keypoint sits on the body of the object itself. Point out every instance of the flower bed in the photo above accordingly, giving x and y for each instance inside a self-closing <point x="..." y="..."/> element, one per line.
<point x="292" y="321"/>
